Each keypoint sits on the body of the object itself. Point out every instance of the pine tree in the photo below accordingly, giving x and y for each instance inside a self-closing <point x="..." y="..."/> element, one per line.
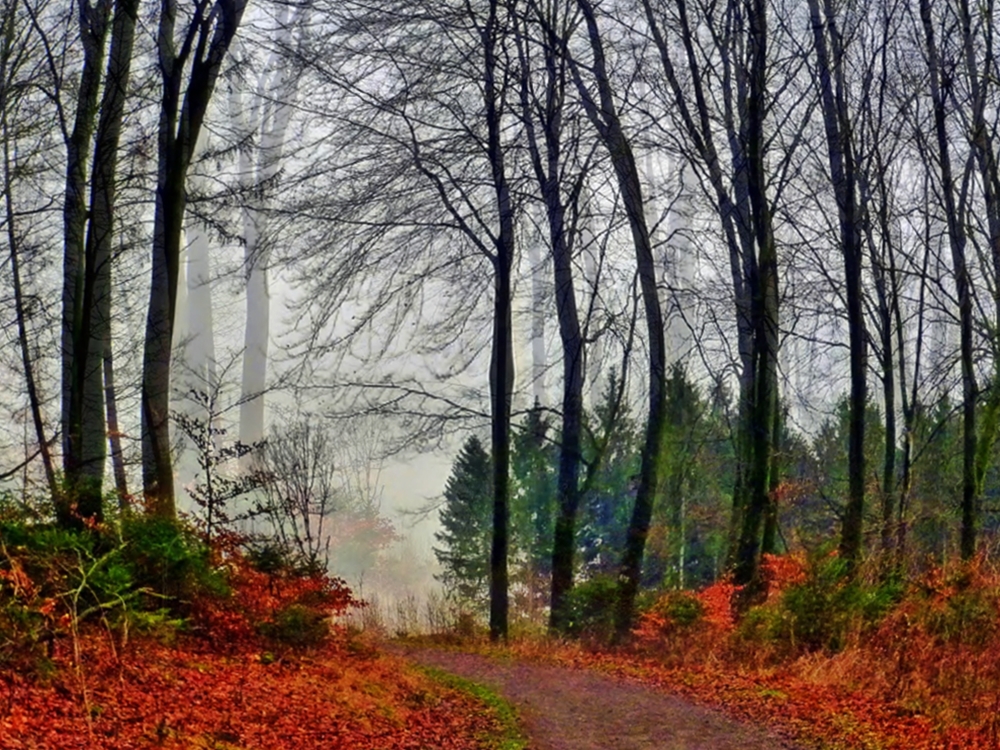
<point x="533" y="493"/>
<point x="466" y="520"/>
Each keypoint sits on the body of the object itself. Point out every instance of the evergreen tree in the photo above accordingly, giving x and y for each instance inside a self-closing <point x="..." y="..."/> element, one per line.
<point x="533" y="492"/>
<point x="612" y="441"/>
<point x="466" y="520"/>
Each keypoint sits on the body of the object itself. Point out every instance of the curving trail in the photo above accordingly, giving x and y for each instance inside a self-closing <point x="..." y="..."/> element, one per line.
<point x="572" y="709"/>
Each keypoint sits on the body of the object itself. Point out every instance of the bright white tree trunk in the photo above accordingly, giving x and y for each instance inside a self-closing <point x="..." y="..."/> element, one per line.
<point x="199" y="343"/>
<point x="679" y="261"/>
<point x="266" y="120"/>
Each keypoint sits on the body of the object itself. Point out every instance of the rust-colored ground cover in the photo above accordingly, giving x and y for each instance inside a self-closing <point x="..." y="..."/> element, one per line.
<point x="190" y="696"/>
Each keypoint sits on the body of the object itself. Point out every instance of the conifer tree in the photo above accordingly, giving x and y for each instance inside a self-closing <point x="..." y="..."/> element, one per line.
<point x="466" y="520"/>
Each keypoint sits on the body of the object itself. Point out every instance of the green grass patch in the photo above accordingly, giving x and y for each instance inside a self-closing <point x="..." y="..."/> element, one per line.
<point x="511" y="736"/>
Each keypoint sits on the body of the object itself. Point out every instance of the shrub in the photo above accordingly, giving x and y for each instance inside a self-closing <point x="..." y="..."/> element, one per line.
<point x="669" y="616"/>
<point x="170" y="561"/>
<point x="820" y="609"/>
<point x="297" y="625"/>
<point x="277" y="604"/>
<point x="590" y="607"/>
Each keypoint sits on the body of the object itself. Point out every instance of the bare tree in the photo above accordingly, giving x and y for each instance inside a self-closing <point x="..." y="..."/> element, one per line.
<point x="831" y="64"/>
<point x="203" y="45"/>
<point x="603" y="113"/>
<point x="742" y="192"/>
<point x="299" y="469"/>
<point x="14" y="62"/>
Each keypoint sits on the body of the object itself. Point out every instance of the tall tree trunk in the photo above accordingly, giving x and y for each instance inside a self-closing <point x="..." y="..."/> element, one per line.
<point x="772" y="530"/>
<point x="93" y="20"/>
<point x="604" y="115"/>
<point x="539" y="358"/>
<point x="548" y="169"/>
<point x="207" y="38"/>
<point x="275" y="103"/>
<point x="93" y="326"/>
<point x="762" y="282"/>
<point x="828" y="46"/>
<point x="502" y="359"/>
<point x="732" y="204"/>
<point x="955" y="213"/>
<point x="909" y="398"/>
<point x="114" y="430"/>
<point x="7" y="59"/>
<point x="983" y="146"/>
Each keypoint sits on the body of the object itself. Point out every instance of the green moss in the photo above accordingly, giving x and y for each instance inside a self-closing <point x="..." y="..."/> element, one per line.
<point x="510" y="737"/>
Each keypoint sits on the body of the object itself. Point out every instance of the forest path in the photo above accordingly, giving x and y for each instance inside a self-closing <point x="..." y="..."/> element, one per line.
<point x="575" y="709"/>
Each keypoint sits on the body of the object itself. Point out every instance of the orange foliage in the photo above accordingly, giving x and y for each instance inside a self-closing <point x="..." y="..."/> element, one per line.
<point x="221" y="686"/>
<point x="719" y="602"/>
<point x="926" y="677"/>
<point x="782" y="572"/>
<point x="191" y="696"/>
<point x="257" y="597"/>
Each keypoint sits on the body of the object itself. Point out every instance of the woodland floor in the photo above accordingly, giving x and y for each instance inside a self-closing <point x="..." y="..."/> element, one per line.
<point x="564" y="708"/>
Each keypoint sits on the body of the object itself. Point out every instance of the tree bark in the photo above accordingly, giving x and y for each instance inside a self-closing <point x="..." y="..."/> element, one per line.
<point x="604" y="115"/>
<point x="7" y="53"/>
<point x="502" y="358"/>
<point x="93" y="20"/>
<point x="955" y="213"/>
<point x="206" y="41"/>
<point x="828" y="46"/>
<point x="982" y="143"/>
<point x="732" y="204"/>
<point x="763" y="291"/>
<point x="548" y="168"/>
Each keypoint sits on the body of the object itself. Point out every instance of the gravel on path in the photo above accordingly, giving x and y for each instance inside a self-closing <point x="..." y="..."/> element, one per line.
<point x="574" y="709"/>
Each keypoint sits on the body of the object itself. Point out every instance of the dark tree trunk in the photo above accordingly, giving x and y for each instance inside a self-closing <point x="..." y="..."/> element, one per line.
<point x="548" y="170"/>
<point x="606" y="120"/>
<point x="732" y="203"/>
<point x="78" y="453"/>
<point x="93" y="324"/>
<point x="205" y="44"/>
<point x="763" y="290"/>
<point x="114" y="430"/>
<point x="8" y="57"/>
<point x="955" y="212"/>
<point x="502" y="361"/>
<point x="982" y="142"/>
<point x="769" y="539"/>
<point x="828" y="47"/>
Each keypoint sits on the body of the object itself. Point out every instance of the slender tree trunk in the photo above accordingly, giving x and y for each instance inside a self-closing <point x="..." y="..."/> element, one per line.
<point x="604" y="115"/>
<point x="7" y="35"/>
<point x="539" y="358"/>
<point x="208" y="37"/>
<point x="763" y="292"/>
<point x="828" y="47"/>
<point x="982" y="142"/>
<point x="275" y="104"/>
<point x="502" y="364"/>
<point x="93" y="20"/>
<point x="939" y="82"/>
<point x="769" y="539"/>
<point x="909" y="398"/>
<point x="548" y="168"/>
<point x="93" y="326"/>
<point x="114" y="430"/>
<point x="732" y="203"/>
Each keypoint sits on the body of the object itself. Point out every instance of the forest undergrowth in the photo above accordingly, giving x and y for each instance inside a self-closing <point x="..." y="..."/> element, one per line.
<point x="868" y="664"/>
<point x="139" y="634"/>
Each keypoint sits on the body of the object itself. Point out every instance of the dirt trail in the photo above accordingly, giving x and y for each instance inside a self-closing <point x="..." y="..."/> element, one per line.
<point x="572" y="709"/>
